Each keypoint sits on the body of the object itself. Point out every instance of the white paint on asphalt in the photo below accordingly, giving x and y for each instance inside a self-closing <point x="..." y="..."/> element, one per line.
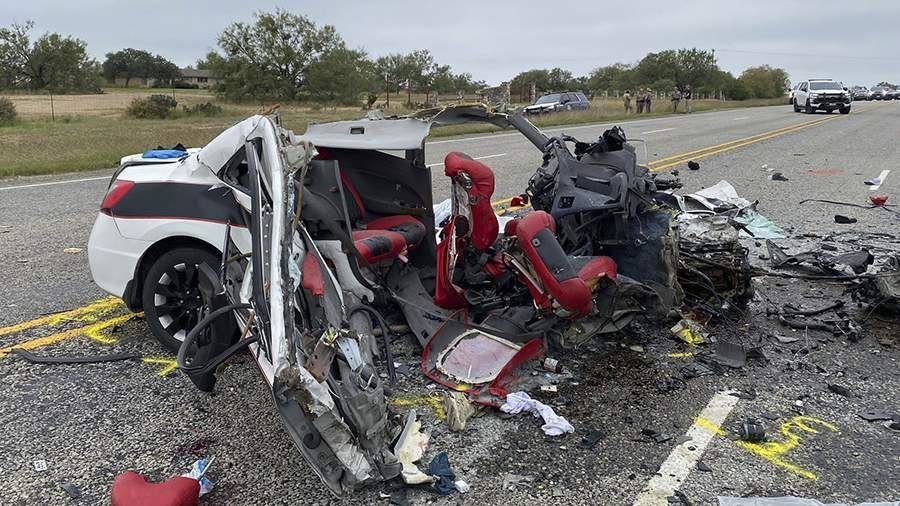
<point x="683" y="460"/>
<point x="881" y="177"/>
<point x="657" y="131"/>
<point x="740" y="118"/>
<point x="51" y="183"/>
<point x="430" y="165"/>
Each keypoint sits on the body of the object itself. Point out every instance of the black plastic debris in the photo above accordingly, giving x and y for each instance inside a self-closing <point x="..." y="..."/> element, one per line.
<point x="656" y="436"/>
<point x="593" y="437"/>
<point x="843" y="220"/>
<point x="440" y="468"/>
<point x="669" y="385"/>
<point x="752" y="431"/>
<point x="698" y="369"/>
<point x="727" y="354"/>
<point x="859" y="261"/>
<point x="693" y="165"/>
<point x="679" y="498"/>
<point x="778" y="176"/>
<point x="877" y="415"/>
<point x="872" y="182"/>
<point x="701" y="466"/>
<point x="839" y="389"/>
<point x="71" y="489"/>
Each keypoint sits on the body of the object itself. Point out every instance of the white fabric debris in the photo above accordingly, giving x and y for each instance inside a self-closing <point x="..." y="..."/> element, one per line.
<point x="461" y="486"/>
<point x="410" y="448"/>
<point x="554" y="425"/>
<point x="442" y="211"/>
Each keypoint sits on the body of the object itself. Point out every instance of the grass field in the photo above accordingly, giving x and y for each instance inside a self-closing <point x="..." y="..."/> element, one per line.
<point x="91" y="131"/>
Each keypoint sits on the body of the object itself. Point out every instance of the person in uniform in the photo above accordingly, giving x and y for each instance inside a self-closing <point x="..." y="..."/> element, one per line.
<point x="676" y="97"/>
<point x="648" y="101"/>
<point x="640" y="100"/>
<point x="626" y="99"/>
<point x="688" y="97"/>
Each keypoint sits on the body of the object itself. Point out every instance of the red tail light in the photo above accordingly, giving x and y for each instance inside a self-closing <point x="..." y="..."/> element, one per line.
<point x="116" y="191"/>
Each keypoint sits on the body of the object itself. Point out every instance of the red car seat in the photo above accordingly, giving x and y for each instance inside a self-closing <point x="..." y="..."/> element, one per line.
<point x="561" y="283"/>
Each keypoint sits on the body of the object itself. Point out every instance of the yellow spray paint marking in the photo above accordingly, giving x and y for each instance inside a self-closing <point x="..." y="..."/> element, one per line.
<point x="775" y="451"/>
<point x="435" y="402"/>
<point x="169" y="364"/>
<point x="686" y="354"/>
<point x="89" y="313"/>
<point x="94" y="331"/>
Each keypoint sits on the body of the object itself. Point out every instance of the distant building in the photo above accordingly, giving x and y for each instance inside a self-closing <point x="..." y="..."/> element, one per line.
<point x="198" y="77"/>
<point x="202" y="78"/>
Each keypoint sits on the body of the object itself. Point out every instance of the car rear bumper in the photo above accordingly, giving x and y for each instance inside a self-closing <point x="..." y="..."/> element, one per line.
<point x="113" y="258"/>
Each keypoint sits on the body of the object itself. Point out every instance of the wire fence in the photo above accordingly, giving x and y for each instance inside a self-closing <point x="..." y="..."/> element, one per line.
<point x="48" y="105"/>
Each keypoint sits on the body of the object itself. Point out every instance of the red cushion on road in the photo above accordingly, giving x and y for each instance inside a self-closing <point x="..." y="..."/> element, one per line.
<point x="536" y="237"/>
<point x="484" y="221"/>
<point x="132" y="489"/>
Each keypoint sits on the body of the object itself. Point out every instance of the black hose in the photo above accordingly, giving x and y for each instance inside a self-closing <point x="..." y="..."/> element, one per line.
<point x="192" y="335"/>
<point x="385" y="330"/>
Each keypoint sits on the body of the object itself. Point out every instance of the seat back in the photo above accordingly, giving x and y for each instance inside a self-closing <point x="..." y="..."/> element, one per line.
<point x="550" y="277"/>
<point x="472" y="189"/>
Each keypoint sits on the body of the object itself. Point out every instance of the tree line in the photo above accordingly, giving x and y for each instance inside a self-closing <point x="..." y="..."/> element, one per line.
<point x="663" y="72"/>
<point x="282" y="55"/>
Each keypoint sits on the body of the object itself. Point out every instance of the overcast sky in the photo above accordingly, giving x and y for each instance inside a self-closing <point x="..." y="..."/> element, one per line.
<point x="857" y="42"/>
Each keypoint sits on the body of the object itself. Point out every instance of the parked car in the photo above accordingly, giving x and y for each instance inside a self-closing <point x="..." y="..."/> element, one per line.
<point x="821" y="94"/>
<point x="876" y="93"/>
<point x="891" y="94"/>
<point x="859" y="93"/>
<point x="554" y="102"/>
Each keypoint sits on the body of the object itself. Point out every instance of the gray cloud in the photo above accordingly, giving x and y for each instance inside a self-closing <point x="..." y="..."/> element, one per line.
<point x="856" y="42"/>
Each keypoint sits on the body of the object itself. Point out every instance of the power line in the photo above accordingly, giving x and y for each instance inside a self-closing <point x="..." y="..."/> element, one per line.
<point x="826" y="56"/>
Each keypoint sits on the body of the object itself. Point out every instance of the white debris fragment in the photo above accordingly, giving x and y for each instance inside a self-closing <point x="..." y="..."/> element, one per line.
<point x="554" y="425"/>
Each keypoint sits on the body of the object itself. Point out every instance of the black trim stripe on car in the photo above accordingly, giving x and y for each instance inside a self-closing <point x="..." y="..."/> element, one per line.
<point x="189" y="201"/>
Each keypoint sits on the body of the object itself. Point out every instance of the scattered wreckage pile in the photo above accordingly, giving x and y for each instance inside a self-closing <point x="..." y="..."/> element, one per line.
<point x="345" y="251"/>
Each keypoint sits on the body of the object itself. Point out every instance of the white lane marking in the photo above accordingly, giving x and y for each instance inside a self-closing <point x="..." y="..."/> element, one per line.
<point x="657" y="131"/>
<point x="682" y="461"/>
<point x="881" y="177"/>
<point x="740" y="118"/>
<point x="51" y="183"/>
<point x="430" y="165"/>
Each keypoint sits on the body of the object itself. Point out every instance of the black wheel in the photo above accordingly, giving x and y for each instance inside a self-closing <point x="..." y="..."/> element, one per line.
<point x="171" y="295"/>
<point x="845" y="110"/>
<point x="796" y="109"/>
<point x="810" y="109"/>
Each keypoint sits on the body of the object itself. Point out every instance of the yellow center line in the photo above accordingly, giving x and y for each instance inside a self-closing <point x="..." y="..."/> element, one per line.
<point x="733" y="145"/>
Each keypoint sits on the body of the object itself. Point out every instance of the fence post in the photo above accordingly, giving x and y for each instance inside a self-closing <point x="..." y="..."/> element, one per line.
<point x="52" y="112"/>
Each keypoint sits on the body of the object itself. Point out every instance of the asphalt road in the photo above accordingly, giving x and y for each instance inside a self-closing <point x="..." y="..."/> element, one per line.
<point x="89" y="423"/>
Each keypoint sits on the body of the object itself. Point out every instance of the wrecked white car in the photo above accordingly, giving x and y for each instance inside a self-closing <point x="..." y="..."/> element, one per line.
<point x="301" y="248"/>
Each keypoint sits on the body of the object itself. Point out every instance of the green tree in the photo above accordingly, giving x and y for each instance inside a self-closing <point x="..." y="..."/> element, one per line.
<point x="130" y="63"/>
<point x="390" y="71"/>
<point x="694" y="67"/>
<point x="418" y="68"/>
<point x="53" y="61"/>
<point x="618" y="76"/>
<point x="340" y="76"/>
<point x="269" y="58"/>
<point x="765" y="81"/>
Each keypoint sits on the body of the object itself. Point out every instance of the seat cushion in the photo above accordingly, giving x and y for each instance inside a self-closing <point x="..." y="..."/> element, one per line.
<point x="412" y="230"/>
<point x="378" y="245"/>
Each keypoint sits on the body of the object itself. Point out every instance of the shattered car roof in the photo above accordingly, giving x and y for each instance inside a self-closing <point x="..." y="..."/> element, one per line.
<point x="397" y="133"/>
